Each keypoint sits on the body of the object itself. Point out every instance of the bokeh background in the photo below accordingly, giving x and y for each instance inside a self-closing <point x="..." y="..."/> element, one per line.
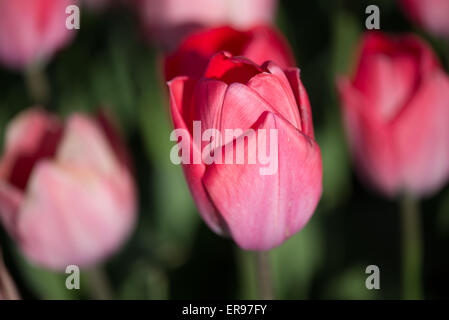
<point x="172" y="254"/>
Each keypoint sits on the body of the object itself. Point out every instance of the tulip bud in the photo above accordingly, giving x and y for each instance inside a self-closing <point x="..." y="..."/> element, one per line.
<point x="66" y="194"/>
<point x="433" y="15"/>
<point x="168" y="21"/>
<point x="396" y="112"/>
<point x="259" y="44"/>
<point x="31" y="31"/>
<point x="257" y="207"/>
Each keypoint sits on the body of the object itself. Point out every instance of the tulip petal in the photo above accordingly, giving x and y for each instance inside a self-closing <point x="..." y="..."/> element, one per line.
<point x="421" y="133"/>
<point x="192" y="56"/>
<point x="223" y="66"/>
<point x="302" y="101"/>
<point x="268" y="44"/>
<point x="73" y="215"/>
<point x="209" y="96"/>
<point x="261" y="211"/>
<point x="369" y="139"/>
<point x="242" y="107"/>
<point x="32" y="136"/>
<point x="181" y="91"/>
<point x="390" y="71"/>
<point x="85" y="145"/>
<point x="275" y="89"/>
<point x="10" y="201"/>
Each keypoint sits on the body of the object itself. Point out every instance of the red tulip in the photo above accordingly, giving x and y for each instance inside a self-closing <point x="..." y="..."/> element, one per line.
<point x="8" y="290"/>
<point x="66" y="194"/>
<point x="433" y="15"/>
<point x="169" y="21"/>
<point x="31" y="31"/>
<point x="260" y="44"/>
<point x="259" y="210"/>
<point x="396" y="110"/>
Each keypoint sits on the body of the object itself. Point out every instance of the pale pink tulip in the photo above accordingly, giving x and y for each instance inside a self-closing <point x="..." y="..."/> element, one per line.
<point x="31" y="31"/>
<point x="168" y="21"/>
<point x="66" y="193"/>
<point x="396" y="111"/>
<point x="433" y="15"/>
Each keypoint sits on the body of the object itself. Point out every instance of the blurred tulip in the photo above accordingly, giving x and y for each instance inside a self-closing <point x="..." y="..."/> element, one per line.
<point x="8" y="290"/>
<point x="396" y="111"/>
<point x="260" y="44"/>
<point x="66" y="194"/>
<point x="31" y="31"/>
<point x="258" y="211"/>
<point x="433" y="15"/>
<point x="168" y="21"/>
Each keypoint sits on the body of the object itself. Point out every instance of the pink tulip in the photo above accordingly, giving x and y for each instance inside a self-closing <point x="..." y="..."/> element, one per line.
<point x="396" y="111"/>
<point x="8" y="290"/>
<point x="258" y="211"/>
<point x="259" y="44"/>
<point x="66" y="194"/>
<point x="168" y="21"/>
<point x="433" y="15"/>
<point x="31" y="31"/>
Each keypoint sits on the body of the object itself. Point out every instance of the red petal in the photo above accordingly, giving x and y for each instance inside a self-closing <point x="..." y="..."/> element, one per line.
<point x="223" y="66"/>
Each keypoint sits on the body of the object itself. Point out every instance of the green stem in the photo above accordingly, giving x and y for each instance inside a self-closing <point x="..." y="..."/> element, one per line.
<point x="37" y="84"/>
<point x="412" y="249"/>
<point x="99" y="286"/>
<point x="263" y="271"/>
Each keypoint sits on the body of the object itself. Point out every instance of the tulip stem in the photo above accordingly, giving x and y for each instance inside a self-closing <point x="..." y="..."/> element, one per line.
<point x="99" y="286"/>
<point x="263" y="270"/>
<point x="412" y="249"/>
<point x="37" y="84"/>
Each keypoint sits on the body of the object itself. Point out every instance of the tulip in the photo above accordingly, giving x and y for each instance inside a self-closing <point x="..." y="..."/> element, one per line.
<point x="31" y="31"/>
<point x="259" y="44"/>
<point x="258" y="211"/>
<point x="433" y="15"/>
<point x="169" y="21"/>
<point x="8" y="290"/>
<point x="66" y="193"/>
<point x="396" y="112"/>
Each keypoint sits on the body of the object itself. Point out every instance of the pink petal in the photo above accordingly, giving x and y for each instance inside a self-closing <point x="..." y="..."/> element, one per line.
<point x="32" y="31"/>
<point x="267" y="44"/>
<point x="209" y="95"/>
<point x="302" y="101"/>
<point x="74" y="215"/>
<point x="421" y="134"/>
<point x="370" y="140"/>
<point x="10" y="201"/>
<point x="275" y="89"/>
<point x="242" y="107"/>
<point x="261" y="211"/>
<point x="33" y="135"/>
<point x="85" y="145"/>
<point x="181" y="90"/>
